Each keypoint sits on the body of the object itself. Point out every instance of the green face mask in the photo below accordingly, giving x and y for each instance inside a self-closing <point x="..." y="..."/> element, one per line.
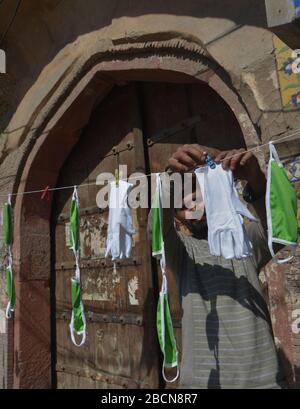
<point x="8" y="238"/>
<point x="10" y="290"/>
<point x="78" y="321"/>
<point x="165" y="332"/>
<point x="281" y="206"/>
<point x="156" y="231"/>
<point x="164" y="324"/>
<point x="74" y="223"/>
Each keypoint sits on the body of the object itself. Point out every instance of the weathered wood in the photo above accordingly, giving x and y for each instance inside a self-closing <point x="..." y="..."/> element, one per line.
<point x="121" y="348"/>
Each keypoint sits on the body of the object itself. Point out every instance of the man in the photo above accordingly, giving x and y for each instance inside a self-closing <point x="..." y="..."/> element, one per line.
<point x="227" y="339"/>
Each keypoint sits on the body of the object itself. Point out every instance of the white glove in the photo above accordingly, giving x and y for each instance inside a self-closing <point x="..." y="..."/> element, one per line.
<point x="120" y="227"/>
<point x="224" y="210"/>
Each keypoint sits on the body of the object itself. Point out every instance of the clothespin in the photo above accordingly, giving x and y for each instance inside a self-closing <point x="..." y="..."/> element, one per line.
<point x="118" y="174"/>
<point x="209" y="160"/>
<point x="46" y="193"/>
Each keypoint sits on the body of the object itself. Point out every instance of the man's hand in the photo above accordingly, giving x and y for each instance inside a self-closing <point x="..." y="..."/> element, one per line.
<point x="245" y="166"/>
<point x="187" y="157"/>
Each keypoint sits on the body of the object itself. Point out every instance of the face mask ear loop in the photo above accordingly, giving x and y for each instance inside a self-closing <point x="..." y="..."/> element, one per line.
<point x="285" y="260"/>
<point x="83" y="332"/>
<point x="177" y="372"/>
<point x="274" y="154"/>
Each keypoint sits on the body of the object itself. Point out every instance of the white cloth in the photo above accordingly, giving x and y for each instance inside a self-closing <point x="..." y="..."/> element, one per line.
<point x="224" y="213"/>
<point x="120" y="227"/>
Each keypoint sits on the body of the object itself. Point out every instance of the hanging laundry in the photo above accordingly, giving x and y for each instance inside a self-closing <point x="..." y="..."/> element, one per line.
<point x="78" y="320"/>
<point x="227" y="236"/>
<point x="8" y="239"/>
<point x="281" y="206"/>
<point x="164" y="324"/>
<point x="120" y="227"/>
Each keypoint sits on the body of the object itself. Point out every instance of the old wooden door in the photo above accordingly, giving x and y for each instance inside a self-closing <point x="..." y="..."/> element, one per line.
<point x="146" y="122"/>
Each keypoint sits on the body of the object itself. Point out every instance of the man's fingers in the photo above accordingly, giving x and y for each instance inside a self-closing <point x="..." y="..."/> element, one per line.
<point x="185" y="159"/>
<point x="246" y="157"/>
<point x="236" y="159"/>
<point x="220" y="156"/>
<point x="227" y="159"/>
<point x="189" y="156"/>
<point x="195" y="152"/>
<point x="177" y="166"/>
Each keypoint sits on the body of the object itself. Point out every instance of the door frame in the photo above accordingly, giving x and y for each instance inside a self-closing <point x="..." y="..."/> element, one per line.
<point x="54" y="139"/>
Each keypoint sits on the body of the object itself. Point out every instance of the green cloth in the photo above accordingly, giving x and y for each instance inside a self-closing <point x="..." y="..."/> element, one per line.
<point x="78" y="322"/>
<point x="10" y="288"/>
<point x="74" y="225"/>
<point x="281" y="206"/>
<point x="283" y="202"/>
<point x="156" y="237"/>
<point x="165" y="332"/>
<point x="8" y="239"/>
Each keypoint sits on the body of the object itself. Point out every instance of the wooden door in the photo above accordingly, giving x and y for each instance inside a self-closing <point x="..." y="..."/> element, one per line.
<point x="146" y="122"/>
<point x="121" y="348"/>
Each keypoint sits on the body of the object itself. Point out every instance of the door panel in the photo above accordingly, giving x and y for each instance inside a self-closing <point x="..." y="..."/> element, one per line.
<point x="117" y="304"/>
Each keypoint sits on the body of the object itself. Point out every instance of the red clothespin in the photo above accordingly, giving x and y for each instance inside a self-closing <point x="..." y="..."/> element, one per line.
<point x="46" y="193"/>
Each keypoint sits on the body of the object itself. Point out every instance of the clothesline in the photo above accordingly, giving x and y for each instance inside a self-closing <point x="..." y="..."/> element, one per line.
<point x="256" y="148"/>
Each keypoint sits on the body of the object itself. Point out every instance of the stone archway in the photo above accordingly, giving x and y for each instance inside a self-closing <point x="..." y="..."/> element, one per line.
<point x="47" y="150"/>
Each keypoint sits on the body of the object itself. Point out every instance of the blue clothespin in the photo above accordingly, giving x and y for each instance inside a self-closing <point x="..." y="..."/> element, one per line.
<point x="209" y="160"/>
